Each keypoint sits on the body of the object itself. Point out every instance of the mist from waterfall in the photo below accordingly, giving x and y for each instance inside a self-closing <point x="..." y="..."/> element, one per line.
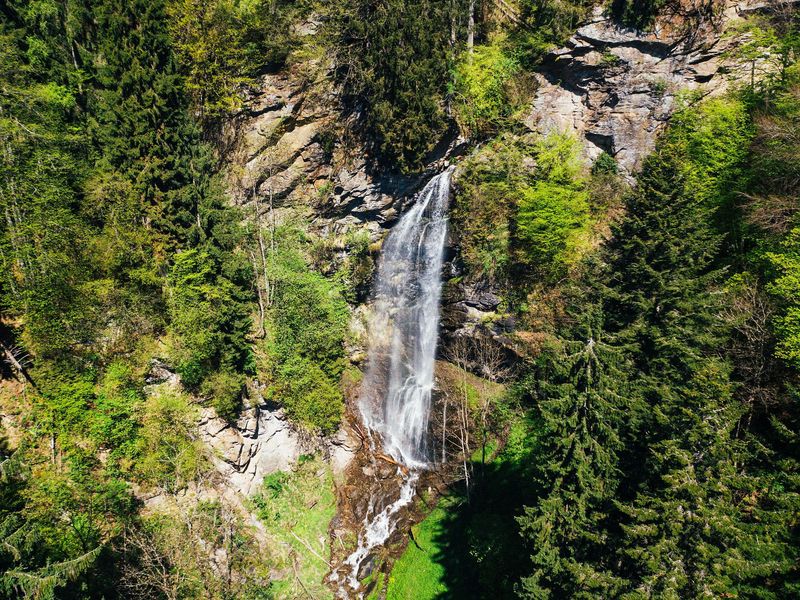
<point x="396" y="391"/>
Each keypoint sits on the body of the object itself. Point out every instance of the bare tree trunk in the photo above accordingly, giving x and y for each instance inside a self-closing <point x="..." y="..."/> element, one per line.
<point x="271" y="291"/>
<point x="453" y="38"/>
<point x="444" y="431"/>
<point x="471" y="27"/>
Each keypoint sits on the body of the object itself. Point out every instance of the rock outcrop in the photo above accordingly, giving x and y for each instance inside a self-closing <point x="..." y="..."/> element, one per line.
<point x="263" y="441"/>
<point x="616" y="88"/>
<point x="286" y="155"/>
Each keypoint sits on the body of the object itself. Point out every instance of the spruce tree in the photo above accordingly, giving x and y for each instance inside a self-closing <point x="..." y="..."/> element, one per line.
<point x="582" y="407"/>
<point x="678" y="499"/>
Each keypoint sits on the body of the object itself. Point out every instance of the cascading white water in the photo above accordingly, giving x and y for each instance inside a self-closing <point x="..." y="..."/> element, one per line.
<point x="396" y="392"/>
<point x="377" y="529"/>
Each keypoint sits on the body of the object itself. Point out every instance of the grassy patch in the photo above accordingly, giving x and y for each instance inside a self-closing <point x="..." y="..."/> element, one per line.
<point x="418" y="575"/>
<point x="460" y="544"/>
<point x="296" y="509"/>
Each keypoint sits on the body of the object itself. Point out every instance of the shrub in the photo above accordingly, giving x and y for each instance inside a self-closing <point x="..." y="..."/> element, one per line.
<point x="304" y="349"/>
<point x="171" y="457"/>
<point x="713" y="139"/>
<point x="311" y="396"/>
<point x="605" y="165"/>
<point x="487" y="192"/>
<point x="553" y="214"/>
<point x="482" y="83"/>
<point x="224" y="391"/>
<point x="208" y="322"/>
<point x="552" y="223"/>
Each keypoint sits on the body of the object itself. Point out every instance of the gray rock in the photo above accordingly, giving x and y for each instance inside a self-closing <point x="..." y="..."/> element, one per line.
<point x="615" y="88"/>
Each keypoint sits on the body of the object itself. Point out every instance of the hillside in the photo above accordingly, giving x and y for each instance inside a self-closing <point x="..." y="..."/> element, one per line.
<point x="399" y="299"/>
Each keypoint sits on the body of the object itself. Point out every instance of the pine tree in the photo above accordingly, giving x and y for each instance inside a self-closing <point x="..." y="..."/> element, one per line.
<point x="658" y="301"/>
<point x="678" y="507"/>
<point x="681" y="535"/>
<point x="582" y="408"/>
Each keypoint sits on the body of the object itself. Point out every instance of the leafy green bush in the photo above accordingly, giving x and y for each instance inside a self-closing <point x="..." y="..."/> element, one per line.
<point x="311" y="396"/>
<point x="170" y="454"/>
<point x="510" y="216"/>
<point x="208" y="323"/>
<point x="552" y="222"/>
<point x="224" y="391"/>
<point x="306" y="327"/>
<point x="356" y="272"/>
<point x="482" y="80"/>
<point x="713" y="140"/>
<point x="487" y="192"/>
<point x="605" y="165"/>
<point x="553" y="213"/>
<point x="785" y="288"/>
<point x="113" y="420"/>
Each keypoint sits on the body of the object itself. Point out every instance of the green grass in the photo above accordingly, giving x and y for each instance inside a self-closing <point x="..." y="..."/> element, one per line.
<point x="296" y="509"/>
<point x="417" y="575"/>
<point x="459" y="544"/>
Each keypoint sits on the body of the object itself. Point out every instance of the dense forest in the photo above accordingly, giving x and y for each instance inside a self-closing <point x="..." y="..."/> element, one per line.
<point x="627" y="416"/>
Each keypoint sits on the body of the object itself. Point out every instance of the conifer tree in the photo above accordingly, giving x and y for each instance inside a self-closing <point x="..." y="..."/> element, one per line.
<point x="582" y="408"/>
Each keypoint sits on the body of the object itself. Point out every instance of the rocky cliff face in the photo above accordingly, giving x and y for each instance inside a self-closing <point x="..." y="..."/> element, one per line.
<point x="616" y="88"/>
<point x="287" y="154"/>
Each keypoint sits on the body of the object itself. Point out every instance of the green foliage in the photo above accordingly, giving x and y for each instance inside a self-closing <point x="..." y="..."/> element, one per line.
<point x="358" y="267"/>
<point x="222" y="45"/>
<point x="552" y="223"/>
<point x="170" y="454"/>
<point x="516" y="222"/>
<point x="547" y="24"/>
<point x="785" y="288"/>
<point x="207" y="322"/>
<point x="393" y="60"/>
<point x="487" y="192"/>
<point x="482" y="80"/>
<point x="604" y="165"/>
<point x="553" y="214"/>
<point x="296" y="510"/>
<point x="713" y="141"/>
<point x="305" y="345"/>
<point x="224" y="389"/>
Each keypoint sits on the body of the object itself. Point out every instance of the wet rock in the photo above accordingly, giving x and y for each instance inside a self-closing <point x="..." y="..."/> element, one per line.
<point x="367" y="566"/>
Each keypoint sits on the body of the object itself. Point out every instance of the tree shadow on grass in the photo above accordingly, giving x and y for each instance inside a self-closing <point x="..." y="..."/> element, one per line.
<point x="478" y="542"/>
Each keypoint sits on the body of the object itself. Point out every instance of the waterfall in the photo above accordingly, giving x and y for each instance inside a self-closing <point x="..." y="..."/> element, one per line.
<point x="396" y="391"/>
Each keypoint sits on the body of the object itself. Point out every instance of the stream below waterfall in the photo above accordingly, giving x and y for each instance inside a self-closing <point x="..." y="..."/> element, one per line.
<point x="395" y="398"/>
